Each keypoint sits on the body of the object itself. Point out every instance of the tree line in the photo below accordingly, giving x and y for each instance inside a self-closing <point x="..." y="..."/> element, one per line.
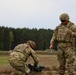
<point x="10" y="37"/>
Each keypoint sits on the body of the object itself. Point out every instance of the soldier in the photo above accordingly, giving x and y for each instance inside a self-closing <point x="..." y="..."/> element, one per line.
<point x="65" y="35"/>
<point x="19" y="56"/>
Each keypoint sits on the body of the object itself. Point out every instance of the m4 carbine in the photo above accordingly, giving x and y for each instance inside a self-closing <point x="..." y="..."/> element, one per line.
<point x="36" y="69"/>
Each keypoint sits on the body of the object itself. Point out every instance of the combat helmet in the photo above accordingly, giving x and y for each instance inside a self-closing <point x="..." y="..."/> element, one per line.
<point x="64" y="16"/>
<point x="31" y="43"/>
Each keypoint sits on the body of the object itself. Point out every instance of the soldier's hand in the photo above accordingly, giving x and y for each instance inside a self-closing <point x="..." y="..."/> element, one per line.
<point x="35" y="65"/>
<point x="51" y="46"/>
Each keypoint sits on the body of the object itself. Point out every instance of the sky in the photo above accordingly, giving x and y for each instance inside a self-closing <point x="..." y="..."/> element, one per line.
<point x="35" y="13"/>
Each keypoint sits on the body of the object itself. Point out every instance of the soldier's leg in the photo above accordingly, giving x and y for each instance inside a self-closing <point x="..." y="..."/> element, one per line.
<point x="14" y="72"/>
<point x="27" y="69"/>
<point x="61" y="62"/>
<point x="20" y="66"/>
<point x="23" y="69"/>
<point x="70" y="60"/>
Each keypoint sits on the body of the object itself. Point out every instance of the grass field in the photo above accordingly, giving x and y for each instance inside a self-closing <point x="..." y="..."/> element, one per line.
<point x="45" y="60"/>
<point x="3" y="60"/>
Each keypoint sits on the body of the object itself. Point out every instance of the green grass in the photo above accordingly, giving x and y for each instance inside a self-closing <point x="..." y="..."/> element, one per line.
<point x="3" y="60"/>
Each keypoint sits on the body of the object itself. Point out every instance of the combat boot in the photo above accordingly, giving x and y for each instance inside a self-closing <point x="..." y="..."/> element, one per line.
<point x="28" y="74"/>
<point x="61" y="73"/>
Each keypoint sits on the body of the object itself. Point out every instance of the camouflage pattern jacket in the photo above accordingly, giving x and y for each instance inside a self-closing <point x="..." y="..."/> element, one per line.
<point x="21" y="53"/>
<point x="64" y="33"/>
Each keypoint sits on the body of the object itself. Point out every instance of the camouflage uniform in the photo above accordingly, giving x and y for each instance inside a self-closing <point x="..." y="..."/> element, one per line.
<point x="19" y="56"/>
<point x="65" y="35"/>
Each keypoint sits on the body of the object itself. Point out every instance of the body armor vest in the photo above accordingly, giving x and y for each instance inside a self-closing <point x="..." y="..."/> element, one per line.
<point x="63" y="34"/>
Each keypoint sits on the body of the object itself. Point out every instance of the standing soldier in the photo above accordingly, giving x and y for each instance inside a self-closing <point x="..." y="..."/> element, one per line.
<point x="65" y="35"/>
<point x="19" y="56"/>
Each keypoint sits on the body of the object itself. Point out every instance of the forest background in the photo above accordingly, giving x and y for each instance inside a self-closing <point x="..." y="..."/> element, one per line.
<point x="10" y="37"/>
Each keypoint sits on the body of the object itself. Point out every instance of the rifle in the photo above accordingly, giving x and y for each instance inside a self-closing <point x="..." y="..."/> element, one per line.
<point x="36" y="69"/>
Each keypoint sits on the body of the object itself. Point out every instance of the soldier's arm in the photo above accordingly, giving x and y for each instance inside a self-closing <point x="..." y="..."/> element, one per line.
<point x="35" y="57"/>
<point x="54" y="36"/>
<point x="74" y="31"/>
<point x="52" y="40"/>
<point x="73" y="28"/>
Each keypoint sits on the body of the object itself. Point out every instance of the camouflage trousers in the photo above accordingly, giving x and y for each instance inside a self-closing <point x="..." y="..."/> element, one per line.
<point x="21" y="68"/>
<point x="66" y="60"/>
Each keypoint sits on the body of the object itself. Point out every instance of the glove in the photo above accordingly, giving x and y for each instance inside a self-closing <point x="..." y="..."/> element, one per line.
<point x="35" y="65"/>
